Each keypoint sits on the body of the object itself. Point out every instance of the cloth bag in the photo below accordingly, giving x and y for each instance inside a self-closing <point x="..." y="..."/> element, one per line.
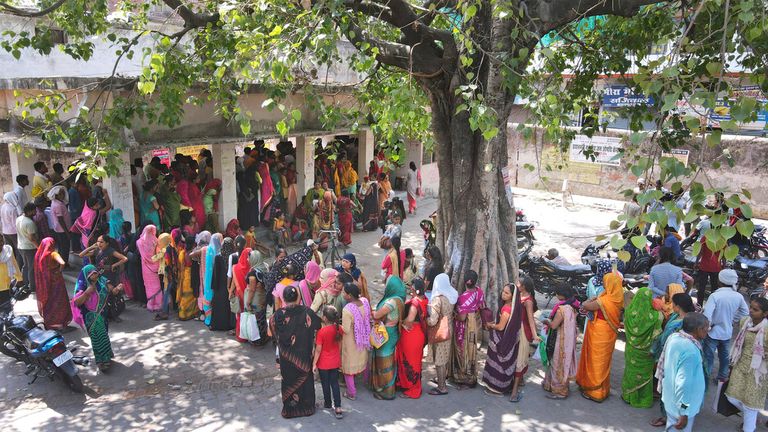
<point x="379" y="335"/>
<point x="249" y="327"/>
<point x="486" y="314"/>
<point x="440" y="332"/>
<point x="234" y="306"/>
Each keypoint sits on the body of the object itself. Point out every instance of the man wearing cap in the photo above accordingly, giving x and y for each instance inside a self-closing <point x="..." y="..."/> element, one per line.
<point x="723" y="307"/>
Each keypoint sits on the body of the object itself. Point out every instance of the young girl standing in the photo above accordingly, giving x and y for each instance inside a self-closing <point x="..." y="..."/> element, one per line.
<point x="328" y="358"/>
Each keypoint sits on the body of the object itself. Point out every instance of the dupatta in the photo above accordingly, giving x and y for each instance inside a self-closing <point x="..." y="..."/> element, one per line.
<point x="611" y="301"/>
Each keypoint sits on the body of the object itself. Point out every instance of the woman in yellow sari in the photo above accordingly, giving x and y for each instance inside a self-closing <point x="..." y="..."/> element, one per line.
<point x="594" y="372"/>
<point x="185" y="295"/>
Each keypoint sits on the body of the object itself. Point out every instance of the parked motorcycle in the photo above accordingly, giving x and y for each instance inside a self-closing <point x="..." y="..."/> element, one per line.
<point x="752" y="274"/>
<point x="547" y="275"/>
<point x="44" y="352"/>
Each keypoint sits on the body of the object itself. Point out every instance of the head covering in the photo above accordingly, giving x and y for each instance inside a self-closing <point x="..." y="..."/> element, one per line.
<point x="241" y="269"/>
<point x="55" y="191"/>
<point x="672" y="289"/>
<point x="147" y="242"/>
<point x="395" y="289"/>
<point x="163" y="241"/>
<point x="728" y="277"/>
<point x="328" y="282"/>
<point x="611" y="300"/>
<point x="256" y="260"/>
<point x="442" y="287"/>
<point x="354" y="271"/>
<point x="227" y="247"/>
<point x="310" y="243"/>
<point x="603" y="268"/>
<point x="233" y="228"/>
<point x="211" y="251"/>
<point x="6" y="253"/>
<point x="312" y="272"/>
<point x="178" y="238"/>
<point x="115" y="223"/>
<point x="642" y="323"/>
<point x="42" y="272"/>
<point x="203" y="238"/>
<point x="12" y="199"/>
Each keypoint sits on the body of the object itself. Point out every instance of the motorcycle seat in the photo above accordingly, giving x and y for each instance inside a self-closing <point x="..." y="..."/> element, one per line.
<point x="572" y="269"/>
<point x="38" y="336"/>
<point x="754" y="263"/>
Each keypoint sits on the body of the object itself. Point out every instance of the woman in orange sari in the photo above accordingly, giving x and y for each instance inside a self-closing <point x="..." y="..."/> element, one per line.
<point x="594" y="373"/>
<point x="240" y="273"/>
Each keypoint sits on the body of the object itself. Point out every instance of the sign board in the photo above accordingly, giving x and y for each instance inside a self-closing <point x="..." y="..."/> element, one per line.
<point x="623" y="96"/>
<point x="607" y="150"/>
<point x="679" y="154"/>
<point x="164" y="154"/>
<point x="191" y="151"/>
<point x="722" y="111"/>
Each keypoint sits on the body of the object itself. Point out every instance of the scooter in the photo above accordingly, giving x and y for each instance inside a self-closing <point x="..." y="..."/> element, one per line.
<point x="44" y="352"/>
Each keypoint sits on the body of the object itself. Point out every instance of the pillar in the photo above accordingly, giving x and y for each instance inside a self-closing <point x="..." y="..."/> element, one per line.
<point x="22" y="162"/>
<point x="365" y="146"/>
<point x="120" y="190"/>
<point x="224" y="169"/>
<point x="305" y="165"/>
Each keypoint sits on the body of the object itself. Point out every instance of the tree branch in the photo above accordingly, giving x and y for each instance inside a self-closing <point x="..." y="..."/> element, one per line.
<point x="550" y="15"/>
<point x="191" y="18"/>
<point x="31" y="14"/>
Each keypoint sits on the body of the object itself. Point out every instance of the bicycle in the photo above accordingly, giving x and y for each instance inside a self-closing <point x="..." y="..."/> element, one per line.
<point x="332" y="252"/>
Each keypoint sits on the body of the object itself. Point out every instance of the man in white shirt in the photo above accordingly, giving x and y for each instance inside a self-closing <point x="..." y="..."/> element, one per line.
<point x="22" y="181"/>
<point x="28" y="242"/>
<point x="724" y="307"/>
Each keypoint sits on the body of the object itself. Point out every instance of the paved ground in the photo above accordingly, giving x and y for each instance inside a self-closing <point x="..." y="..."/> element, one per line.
<point x="180" y="376"/>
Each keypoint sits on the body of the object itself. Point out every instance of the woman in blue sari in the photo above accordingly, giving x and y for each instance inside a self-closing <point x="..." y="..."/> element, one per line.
<point x="208" y="283"/>
<point x="388" y="312"/>
<point x="116" y="224"/>
<point x="91" y="293"/>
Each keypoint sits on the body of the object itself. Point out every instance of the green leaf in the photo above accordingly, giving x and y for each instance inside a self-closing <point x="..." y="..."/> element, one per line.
<point x="718" y="219"/>
<point x="617" y="242"/>
<point x="745" y="228"/>
<point x="639" y="241"/>
<point x="282" y="128"/>
<point x="731" y="252"/>
<point x="276" y="31"/>
<point x="490" y="133"/>
<point x="713" y="139"/>
<point x="296" y="115"/>
<point x="747" y="193"/>
<point x="624" y="256"/>
<point x="690" y="217"/>
<point x="696" y="248"/>
<point x="714" y="68"/>
<point x="746" y="210"/>
<point x="614" y="225"/>
<point x="728" y="232"/>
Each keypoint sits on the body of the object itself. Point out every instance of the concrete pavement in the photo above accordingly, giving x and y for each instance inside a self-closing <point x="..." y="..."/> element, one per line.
<point x="180" y="376"/>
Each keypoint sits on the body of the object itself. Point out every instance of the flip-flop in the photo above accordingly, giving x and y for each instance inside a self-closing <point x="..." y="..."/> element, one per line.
<point x="347" y="395"/>
<point x="518" y="398"/>
<point x="554" y="396"/>
<point x="339" y="415"/>
<point x="658" y="422"/>
<point x="437" y="392"/>
<point x="492" y="393"/>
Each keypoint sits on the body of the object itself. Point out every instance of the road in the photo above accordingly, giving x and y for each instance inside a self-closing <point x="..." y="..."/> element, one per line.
<point x="176" y="375"/>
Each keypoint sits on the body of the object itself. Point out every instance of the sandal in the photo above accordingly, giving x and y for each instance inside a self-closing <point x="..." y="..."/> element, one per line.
<point x="490" y="392"/>
<point x="517" y="398"/>
<point x="557" y="397"/>
<point x="348" y="396"/>
<point x="339" y="415"/>
<point x="438" y="392"/>
<point x="658" y="422"/>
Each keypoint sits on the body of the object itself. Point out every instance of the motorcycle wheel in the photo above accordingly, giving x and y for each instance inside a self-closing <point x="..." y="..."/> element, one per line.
<point x="73" y="382"/>
<point x="11" y="352"/>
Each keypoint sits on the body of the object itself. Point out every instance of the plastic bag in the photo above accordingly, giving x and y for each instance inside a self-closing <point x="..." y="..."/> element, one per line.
<point x="379" y="335"/>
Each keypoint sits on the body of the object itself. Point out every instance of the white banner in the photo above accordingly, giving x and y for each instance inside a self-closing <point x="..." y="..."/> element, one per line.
<point x="606" y="150"/>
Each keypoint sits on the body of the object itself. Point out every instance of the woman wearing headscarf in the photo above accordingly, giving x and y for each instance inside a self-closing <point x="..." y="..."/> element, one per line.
<point x="309" y="285"/>
<point x="233" y="229"/>
<point x="215" y="284"/>
<point x="444" y="296"/>
<point x="255" y="299"/>
<point x="50" y="288"/>
<point x="87" y="221"/>
<point x="383" y="365"/>
<point x="294" y="327"/>
<point x="239" y="285"/>
<point x="91" y="293"/>
<point x="133" y="268"/>
<point x="150" y="265"/>
<point x="355" y="342"/>
<point x="116" y="223"/>
<point x="747" y="385"/>
<point x="528" y="335"/>
<point x="170" y="269"/>
<point x="642" y="324"/>
<point x="346" y="221"/>
<point x="561" y="343"/>
<point x="185" y="295"/>
<point x="291" y="180"/>
<point x="10" y="212"/>
<point x="413" y="338"/>
<point x="394" y="262"/>
<point x="329" y="292"/>
<point x="385" y="189"/>
<point x="467" y="333"/>
<point x="9" y="270"/>
<point x="349" y="177"/>
<point x="371" y="212"/>
<point x="594" y="373"/>
<point x="349" y="266"/>
<point x="503" y="344"/>
<point x="324" y="218"/>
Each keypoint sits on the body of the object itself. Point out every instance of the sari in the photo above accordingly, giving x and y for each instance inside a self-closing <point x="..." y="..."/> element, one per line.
<point x="382" y="364"/>
<point x="292" y="200"/>
<point x="116" y="223"/>
<point x="311" y="277"/>
<point x="385" y="187"/>
<point x="294" y="327"/>
<point x="185" y="296"/>
<point x="202" y="240"/>
<point x="50" y="288"/>
<point x="299" y="259"/>
<point x="673" y="325"/>
<point x="211" y="252"/>
<point x="642" y="324"/>
<point x="259" y="299"/>
<point x="84" y="224"/>
<point x="501" y="362"/>
<point x="94" y="314"/>
<point x="356" y="273"/>
<point x="233" y="229"/>
<point x="147" y="245"/>
<point x="594" y="372"/>
<point x="171" y="262"/>
<point x="672" y="289"/>
<point x="267" y="188"/>
<point x="561" y="367"/>
<point x="410" y="349"/>
<point x="147" y="210"/>
<point x="239" y="274"/>
<point x="467" y="336"/>
<point x="346" y="223"/>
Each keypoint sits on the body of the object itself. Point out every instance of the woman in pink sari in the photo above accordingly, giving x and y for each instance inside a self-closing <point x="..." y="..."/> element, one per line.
<point x="310" y="284"/>
<point x="87" y="220"/>
<point x="467" y="333"/>
<point x="561" y="344"/>
<point x="346" y="222"/>
<point x="267" y="188"/>
<point x="147" y="245"/>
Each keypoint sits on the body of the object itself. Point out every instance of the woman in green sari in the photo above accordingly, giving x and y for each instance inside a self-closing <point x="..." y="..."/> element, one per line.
<point x="388" y="313"/>
<point x="642" y="323"/>
<point x="91" y="292"/>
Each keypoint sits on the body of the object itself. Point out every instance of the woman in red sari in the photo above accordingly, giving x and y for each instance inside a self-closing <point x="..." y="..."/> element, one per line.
<point x="410" y="346"/>
<point x="239" y="274"/>
<point x="52" y="297"/>
<point x="344" y="206"/>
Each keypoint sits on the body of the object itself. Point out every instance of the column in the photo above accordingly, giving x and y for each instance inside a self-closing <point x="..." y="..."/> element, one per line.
<point x="120" y="190"/>
<point x="224" y="169"/>
<point x="22" y="162"/>
<point x="305" y="165"/>
<point x="365" y="145"/>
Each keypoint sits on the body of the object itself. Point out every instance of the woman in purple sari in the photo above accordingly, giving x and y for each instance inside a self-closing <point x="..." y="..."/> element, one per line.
<point x="466" y="333"/>
<point x="500" y="365"/>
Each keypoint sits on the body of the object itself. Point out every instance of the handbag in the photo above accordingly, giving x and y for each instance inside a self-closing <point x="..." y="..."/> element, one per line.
<point x="379" y="335"/>
<point x="249" y="327"/>
<point x="244" y="330"/>
<point x="234" y="306"/>
<point x="722" y="405"/>
<point x="440" y="332"/>
<point x="486" y="314"/>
